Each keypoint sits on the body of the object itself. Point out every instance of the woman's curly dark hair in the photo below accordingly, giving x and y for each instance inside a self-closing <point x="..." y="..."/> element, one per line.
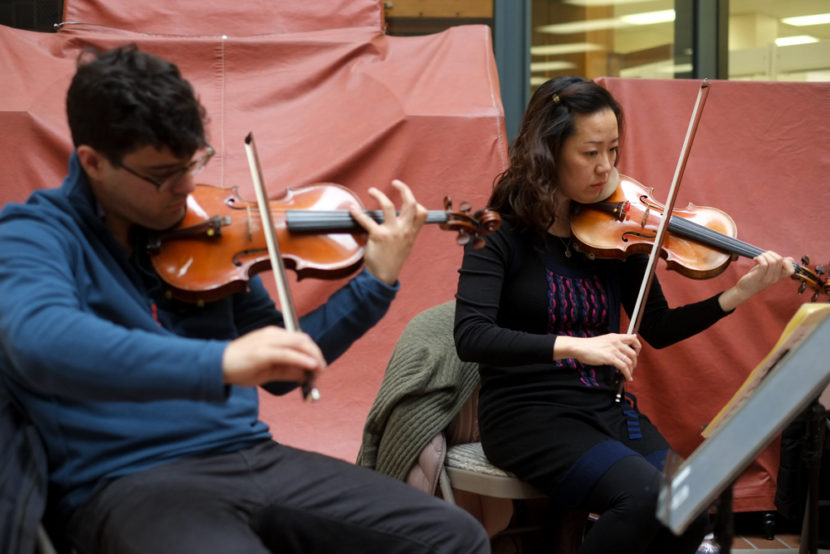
<point x="526" y="191"/>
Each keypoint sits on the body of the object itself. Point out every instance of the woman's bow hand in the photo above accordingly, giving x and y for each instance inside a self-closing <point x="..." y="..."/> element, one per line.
<point x="614" y="349"/>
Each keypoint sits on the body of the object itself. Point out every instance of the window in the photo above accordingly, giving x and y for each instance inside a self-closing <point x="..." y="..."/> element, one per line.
<point x="772" y="40"/>
<point x="595" y="38"/>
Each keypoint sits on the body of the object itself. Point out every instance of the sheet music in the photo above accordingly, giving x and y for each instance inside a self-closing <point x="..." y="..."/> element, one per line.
<point x="793" y="374"/>
<point x="802" y="324"/>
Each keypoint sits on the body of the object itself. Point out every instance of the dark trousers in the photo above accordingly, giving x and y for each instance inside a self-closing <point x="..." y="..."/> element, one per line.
<point x="626" y="499"/>
<point x="264" y="499"/>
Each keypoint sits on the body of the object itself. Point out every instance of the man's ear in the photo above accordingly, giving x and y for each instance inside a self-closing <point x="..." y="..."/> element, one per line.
<point x="92" y="161"/>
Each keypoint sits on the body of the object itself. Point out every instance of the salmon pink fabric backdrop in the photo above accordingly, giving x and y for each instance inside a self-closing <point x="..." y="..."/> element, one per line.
<point x="331" y="98"/>
<point x="760" y="156"/>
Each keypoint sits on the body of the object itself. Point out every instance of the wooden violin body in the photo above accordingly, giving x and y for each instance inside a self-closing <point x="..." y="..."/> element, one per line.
<point x="626" y="223"/>
<point x="220" y="242"/>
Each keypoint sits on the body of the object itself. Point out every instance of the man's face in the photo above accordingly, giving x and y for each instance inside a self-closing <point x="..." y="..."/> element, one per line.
<point x="149" y="187"/>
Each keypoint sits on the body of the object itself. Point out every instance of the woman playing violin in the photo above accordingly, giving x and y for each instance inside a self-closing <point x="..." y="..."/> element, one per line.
<point x="543" y="322"/>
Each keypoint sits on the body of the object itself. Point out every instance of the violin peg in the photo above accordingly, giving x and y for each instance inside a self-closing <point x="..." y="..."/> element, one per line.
<point x="465" y="207"/>
<point x="463" y="237"/>
<point x="805" y="260"/>
<point x="479" y="243"/>
<point x="820" y="269"/>
<point x="802" y="286"/>
<point x="447" y="204"/>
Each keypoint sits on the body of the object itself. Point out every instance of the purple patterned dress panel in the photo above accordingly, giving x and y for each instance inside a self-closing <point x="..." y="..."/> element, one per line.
<point x="577" y="307"/>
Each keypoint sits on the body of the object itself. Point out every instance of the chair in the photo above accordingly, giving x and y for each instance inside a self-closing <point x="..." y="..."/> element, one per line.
<point x="23" y="480"/>
<point x="423" y="429"/>
<point x="467" y="469"/>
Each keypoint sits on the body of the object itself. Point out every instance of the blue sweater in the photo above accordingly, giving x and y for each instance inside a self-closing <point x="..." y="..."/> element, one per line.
<point x="116" y="377"/>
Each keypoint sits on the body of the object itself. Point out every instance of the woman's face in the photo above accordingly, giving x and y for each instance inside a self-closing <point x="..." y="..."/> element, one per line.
<point x="588" y="156"/>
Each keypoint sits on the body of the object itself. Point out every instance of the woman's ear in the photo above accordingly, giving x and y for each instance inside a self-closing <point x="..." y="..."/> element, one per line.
<point x="610" y="185"/>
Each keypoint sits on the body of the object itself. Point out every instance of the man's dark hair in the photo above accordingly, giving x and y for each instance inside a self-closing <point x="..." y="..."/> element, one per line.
<point x="124" y="99"/>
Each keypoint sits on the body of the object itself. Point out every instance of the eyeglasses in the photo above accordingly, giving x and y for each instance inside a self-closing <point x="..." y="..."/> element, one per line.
<point x="195" y="166"/>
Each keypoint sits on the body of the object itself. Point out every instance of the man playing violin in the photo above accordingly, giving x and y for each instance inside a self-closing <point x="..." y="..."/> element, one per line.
<point x="147" y="405"/>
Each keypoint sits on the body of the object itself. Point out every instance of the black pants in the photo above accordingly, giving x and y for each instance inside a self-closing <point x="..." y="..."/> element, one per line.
<point x="268" y="498"/>
<point x="626" y="499"/>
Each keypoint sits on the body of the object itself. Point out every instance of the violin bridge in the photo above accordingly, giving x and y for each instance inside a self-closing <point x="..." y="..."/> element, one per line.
<point x="210" y="228"/>
<point x="622" y="209"/>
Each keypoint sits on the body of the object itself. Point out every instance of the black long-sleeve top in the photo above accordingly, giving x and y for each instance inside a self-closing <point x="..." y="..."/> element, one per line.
<point x="518" y="293"/>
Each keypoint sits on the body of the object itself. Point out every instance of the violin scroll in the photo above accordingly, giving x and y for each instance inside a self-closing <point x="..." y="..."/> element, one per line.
<point x="816" y="279"/>
<point x="470" y="227"/>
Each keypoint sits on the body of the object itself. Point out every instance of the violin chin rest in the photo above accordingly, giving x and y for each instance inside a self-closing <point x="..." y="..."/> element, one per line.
<point x="610" y="185"/>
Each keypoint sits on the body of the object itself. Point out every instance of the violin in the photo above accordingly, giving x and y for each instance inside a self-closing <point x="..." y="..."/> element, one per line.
<point x="220" y="243"/>
<point x="700" y="241"/>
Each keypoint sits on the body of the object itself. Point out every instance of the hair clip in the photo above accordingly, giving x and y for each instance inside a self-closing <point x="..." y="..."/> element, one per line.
<point x="555" y="98"/>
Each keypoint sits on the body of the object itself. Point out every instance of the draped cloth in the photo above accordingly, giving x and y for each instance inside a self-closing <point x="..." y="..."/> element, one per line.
<point x="758" y="156"/>
<point x="330" y="98"/>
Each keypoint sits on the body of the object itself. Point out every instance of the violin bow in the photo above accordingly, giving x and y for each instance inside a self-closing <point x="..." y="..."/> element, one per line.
<point x="648" y="277"/>
<point x="292" y="322"/>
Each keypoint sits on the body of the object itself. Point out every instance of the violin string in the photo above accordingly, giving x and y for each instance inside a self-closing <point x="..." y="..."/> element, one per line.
<point x="710" y="237"/>
<point x="337" y="220"/>
<point x="342" y="218"/>
<point x="703" y="234"/>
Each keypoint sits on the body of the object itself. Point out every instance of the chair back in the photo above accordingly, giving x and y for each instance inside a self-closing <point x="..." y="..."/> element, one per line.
<point x="23" y="477"/>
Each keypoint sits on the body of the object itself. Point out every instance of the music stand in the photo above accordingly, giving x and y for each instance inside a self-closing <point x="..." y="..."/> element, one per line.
<point x="782" y="387"/>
